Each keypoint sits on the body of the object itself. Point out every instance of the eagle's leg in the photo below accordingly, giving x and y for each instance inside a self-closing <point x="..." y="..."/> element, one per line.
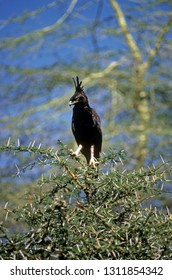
<point x="93" y="161"/>
<point x="76" y="153"/>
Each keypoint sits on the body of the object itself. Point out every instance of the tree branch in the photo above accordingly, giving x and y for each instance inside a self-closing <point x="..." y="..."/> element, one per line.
<point x="25" y="15"/>
<point x="128" y="36"/>
<point x="11" y="42"/>
<point x="153" y="52"/>
<point x="101" y="74"/>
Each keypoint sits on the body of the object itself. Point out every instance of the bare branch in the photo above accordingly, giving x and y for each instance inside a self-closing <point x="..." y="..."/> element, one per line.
<point x="101" y="74"/>
<point x="38" y="33"/>
<point x="62" y="19"/>
<point x="129" y="38"/>
<point x="153" y="52"/>
<point x="25" y="15"/>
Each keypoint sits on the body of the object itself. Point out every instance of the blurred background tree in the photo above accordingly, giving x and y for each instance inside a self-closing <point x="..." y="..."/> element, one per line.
<point x="121" y="50"/>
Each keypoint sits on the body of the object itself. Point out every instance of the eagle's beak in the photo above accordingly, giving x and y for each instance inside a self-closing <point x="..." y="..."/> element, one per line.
<point x="72" y="102"/>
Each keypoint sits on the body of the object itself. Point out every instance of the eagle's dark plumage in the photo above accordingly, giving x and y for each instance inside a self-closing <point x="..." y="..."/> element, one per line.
<point x="85" y="125"/>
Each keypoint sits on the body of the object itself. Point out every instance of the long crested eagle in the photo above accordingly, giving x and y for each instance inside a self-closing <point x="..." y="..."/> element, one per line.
<point x="86" y="125"/>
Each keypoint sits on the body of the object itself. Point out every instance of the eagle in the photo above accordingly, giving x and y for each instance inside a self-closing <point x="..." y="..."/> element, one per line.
<point x="86" y="125"/>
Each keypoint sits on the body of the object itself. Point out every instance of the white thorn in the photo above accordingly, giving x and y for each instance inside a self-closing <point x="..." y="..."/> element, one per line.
<point x="6" y="204"/>
<point x="39" y="146"/>
<point x="56" y="154"/>
<point x="168" y="211"/>
<point x="29" y="145"/>
<point x="8" y="142"/>
<point x="33" y="144"/>
<point x="162" y="186"/>
<point x="18" y="170"/>
<point x="18" y="142"/>
<point x="162" y="159"/>
<point x="121" y="161"/>
<point x="124" y="171"/>
<point x="153" y="167"/>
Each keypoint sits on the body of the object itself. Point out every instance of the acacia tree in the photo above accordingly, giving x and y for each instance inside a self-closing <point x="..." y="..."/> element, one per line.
<point x="122" y="58"/>
<point x="74" y="214"/>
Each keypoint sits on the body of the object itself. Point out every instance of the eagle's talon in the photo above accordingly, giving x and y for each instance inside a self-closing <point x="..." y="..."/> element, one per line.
<point x="72" y="153"/>
<point x="76" y="153"/>
<point x="93" y="163"/>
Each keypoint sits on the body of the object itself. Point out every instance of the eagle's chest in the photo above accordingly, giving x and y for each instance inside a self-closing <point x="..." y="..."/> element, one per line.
<point x="82" y="120"/>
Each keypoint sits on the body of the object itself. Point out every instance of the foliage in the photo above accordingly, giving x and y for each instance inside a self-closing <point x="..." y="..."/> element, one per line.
<point x="78" y="212"/>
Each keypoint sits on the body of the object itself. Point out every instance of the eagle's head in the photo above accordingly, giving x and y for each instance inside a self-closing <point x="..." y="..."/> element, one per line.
<point x="79" y="96"/>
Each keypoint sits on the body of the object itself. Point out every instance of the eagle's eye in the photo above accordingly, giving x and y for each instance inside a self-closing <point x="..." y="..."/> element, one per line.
<point x="80" y="98"/>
